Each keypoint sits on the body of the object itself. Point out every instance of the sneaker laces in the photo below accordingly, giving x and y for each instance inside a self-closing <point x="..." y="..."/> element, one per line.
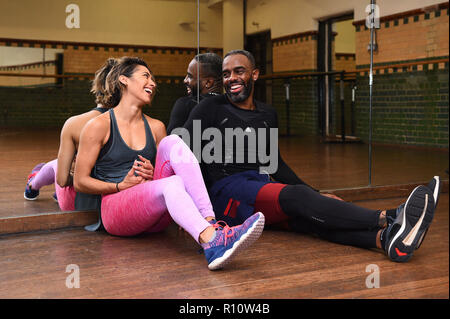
<point x="227" y="230"/>
<point x="30" y="177"/>
<point x="221" y="226"/>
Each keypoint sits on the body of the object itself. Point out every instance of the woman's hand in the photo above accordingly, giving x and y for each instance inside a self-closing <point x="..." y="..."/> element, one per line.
<point x="141" y="172"/>
<point x="131" y="179"/>
<point x="145" y="168"/>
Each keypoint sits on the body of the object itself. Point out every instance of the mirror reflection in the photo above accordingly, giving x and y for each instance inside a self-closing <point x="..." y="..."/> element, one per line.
<point x="305" y="49"/>
<point x="49" y="56"/>
<point x="302" y="65"/>
<point x="313" y="62"/>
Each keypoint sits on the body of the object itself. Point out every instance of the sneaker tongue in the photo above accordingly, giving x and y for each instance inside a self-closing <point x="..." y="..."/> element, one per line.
<point x="400" y="208"/>
<point x="392" y="214"/>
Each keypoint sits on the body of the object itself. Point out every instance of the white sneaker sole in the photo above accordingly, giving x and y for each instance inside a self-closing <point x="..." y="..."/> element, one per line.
<point x="436" y="191"/>
<point x="27" y="198"/>
<point x="413" y="226"/>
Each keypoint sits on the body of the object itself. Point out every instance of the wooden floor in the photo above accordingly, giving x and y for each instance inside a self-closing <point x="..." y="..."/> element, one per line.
<point x="323" y="166"/>
<point x="167" y="265"/>
<point x="280" y="265"/>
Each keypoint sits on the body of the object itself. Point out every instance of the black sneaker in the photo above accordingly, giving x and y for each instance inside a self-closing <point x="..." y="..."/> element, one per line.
<point x="412" y="221"/>
<point x="435" y="187"/>
<point x="29" y="193"/>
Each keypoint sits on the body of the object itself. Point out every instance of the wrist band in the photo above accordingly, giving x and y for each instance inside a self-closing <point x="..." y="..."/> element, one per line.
<point x="117" y="187"/>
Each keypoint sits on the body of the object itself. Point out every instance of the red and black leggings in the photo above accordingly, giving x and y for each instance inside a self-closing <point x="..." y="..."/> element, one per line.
<point x="307" y="211"/>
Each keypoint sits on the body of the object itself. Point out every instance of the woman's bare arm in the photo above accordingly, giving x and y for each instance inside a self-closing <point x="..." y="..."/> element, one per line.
<point x="66" y="155"/>
<point x="91" y="141"/>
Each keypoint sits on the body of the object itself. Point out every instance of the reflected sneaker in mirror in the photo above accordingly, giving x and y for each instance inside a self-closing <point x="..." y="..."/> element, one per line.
<point x="31" y="194"/>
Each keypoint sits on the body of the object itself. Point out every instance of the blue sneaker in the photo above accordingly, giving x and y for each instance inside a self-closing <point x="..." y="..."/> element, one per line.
<point x="55" y="198"/>
<point x="31" y="194"/>
<point x="412" y="221"/>
<point x="229" y="241"/>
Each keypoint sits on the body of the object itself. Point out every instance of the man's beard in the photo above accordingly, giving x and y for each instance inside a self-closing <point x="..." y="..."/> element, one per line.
<point x="241" y="96"/>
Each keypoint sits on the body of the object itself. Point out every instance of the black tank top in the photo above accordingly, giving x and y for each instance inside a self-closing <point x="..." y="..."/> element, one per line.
<point x="101" y="109"/>
<point x="116" y="158"/>
<point x="113" y="163"/>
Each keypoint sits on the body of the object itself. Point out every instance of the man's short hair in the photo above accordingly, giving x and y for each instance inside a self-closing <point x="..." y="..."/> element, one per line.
<point x="210" y="64"/>
<point x="249" y="56"/>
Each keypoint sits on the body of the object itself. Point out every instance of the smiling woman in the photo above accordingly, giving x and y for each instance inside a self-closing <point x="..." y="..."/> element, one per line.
<point x="126" y="157"/>
<point x="119" y="78"/>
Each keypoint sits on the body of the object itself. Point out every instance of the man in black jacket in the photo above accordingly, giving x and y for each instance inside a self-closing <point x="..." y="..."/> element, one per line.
<point x="207" y="82"/>
<point x="231" y="135"/>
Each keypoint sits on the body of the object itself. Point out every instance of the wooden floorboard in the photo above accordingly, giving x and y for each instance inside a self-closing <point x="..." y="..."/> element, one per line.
<point x="167" y="265"/>
<point x="323" y="166"/>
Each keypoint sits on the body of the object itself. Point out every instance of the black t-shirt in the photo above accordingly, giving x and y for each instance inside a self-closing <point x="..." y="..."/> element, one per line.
<point x="255" y="149"/>
<point x="181" y="110"/>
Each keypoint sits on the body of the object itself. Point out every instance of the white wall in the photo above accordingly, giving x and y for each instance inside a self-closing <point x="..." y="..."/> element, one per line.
<point x="144" y="22"/>
<point x="157" y="22"/>
<point x="233" y="25"/>
<point x="293" y="16"/>
<point x="211" y="26"/>
<point x="345" y="39"/>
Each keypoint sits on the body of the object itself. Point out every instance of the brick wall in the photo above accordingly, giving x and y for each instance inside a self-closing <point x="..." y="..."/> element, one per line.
<point x="51" y="106"/>
<point x="48" y="68"/>
<point x="44" y="106"/>
<point x="303" y="115"/>
<point x="409" y="107"/>
<point x="165" y="62"/>
<point x="410" y="90"/>
<point x="296" y="52"/>
<point x="344" y="61"/>
<point x="405" y="37"/>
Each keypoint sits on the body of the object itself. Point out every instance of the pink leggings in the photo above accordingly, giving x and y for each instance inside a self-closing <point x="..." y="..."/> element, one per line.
<point x="177" y="193"/>
<point x="47" y="176"/>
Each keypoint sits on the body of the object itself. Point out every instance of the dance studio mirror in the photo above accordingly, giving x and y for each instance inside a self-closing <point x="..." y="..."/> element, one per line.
<point x="315" y="63"/>
<point x="49" y="52"/>
<point x="299" y="75"/>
